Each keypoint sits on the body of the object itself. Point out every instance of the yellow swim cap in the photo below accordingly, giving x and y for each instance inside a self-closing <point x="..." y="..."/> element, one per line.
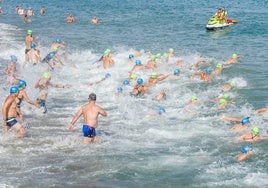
<point x="29" y="32"/>
<point x="234" y="56"/>
<point x="133" y="76"/>
<point x="223" y="102"/>
<point x="171" y="50"/>
<point x="154" y="75"/>
<point x="47" y="75"/>
<point x="219" y="65"/>
<point x="193" y="98"/>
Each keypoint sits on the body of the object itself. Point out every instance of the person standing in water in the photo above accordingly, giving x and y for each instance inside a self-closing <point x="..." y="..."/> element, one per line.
<point x="90" y="112"/>
<point x="28" y="41"/>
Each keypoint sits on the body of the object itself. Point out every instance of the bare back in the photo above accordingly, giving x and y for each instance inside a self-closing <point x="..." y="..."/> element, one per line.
<point x="91" y="112"/>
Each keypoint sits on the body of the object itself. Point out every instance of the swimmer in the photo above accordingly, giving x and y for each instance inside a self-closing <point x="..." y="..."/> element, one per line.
<point x="139" y="88"/>
<point x="138" y="66"/>
<point x="192" y="102"/>
<point x="34" y="55"/>
<point x="133" y="77"/>
<point x="171" y="52"/>
<point x="42" y="10"/>
<point x="241" y="124"/>
<point x="228" y="86"/>
<point x="119" y="91"/>
<point x="30" y="12"/>
<point x="176" y="73"/>
<point x="261" y="110"/>
<point x="160" y="113"/>
<point x="107" y="60"/>
<point x="70" y="18"/>
<point x="28" y="41"/>
<point x="107" y="75"/>
<point x="179" y="63"/>
<point x="94" y="20"/>
<point x="233" y="59"/>
<point x="9" y="113"/>
<point x="55" y="46"/>
<point x="218" y="69"/>
<point x="205" y="75"/>
<point x="10" y="71"/>
<point x="252" y="136"/>
<point x="155" y="78"/>
<point x="151" y="64"/>
<point x="49" y="59"/>
<point x="162" y="95"/>
<point x="26" y="19"/>
<point x="246" y="152"/>
<point x="1" y="11"/>
<point x="20" y="11"/>
<point x="90" y="112"/>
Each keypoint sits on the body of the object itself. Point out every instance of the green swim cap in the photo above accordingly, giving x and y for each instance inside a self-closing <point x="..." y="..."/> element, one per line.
<point x="107" y="52"/>
<point x="226" y="96"/>
<point x="232" y="83"/>
<point x="133" y="76"/>
<point x="234" y="56"/>
<point x="255" y="131"/>
<point x="170" y="50"/>
<point x="54" y="49"/>
<point x="154" y="75"/>
<point x="29" y="32"/>
<point x="46" y="75"/>
<point x="219" y="65"/>
<point x="153" y="57"/>
<point x="158" y="55"/>
<point x="193" y="98"/>
<point x="223" y="102"/>
<point x="165" y="55"/>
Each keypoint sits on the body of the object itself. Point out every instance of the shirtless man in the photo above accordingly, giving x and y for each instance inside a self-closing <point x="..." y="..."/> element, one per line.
<point x="28" y="40"/>
<point x="10" y="113"/>
<point x="10" y="71"/>
<point x="30" y="12"/>
<point x="90" y="112"/>
<point x="94" y="20"/>
<point x="34" y="55"/>
<point x="233" y="59"/>
<point x="42" y="85"/>
<point x="70" y="18"/>
<point x="154" y="79"/>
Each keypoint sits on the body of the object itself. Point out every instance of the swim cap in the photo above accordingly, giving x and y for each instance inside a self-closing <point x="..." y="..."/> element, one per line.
<point x="120" y="89"/>
<point x="161" y="110"/>
<point x="55" y="49"/>
<point x="140" y="81"/>
<point x="208" y="70"/>
<point x="133" y="76"/>
<point x="154" y="75"/>
<point x="158" y="55"/>
<point x="142" y="51"/>
<point x="255" y="131"/>
<point x="234" y="56"/>
<point x="130" y="56"/>
<point x="21" y="84"/>
<point x="245" y="121"/>
<point x="138" y="62"/>
<point x="153" y="57"/>
<point x="232" y="83"/>
<point x="32" y="45"/>
<point x="51" y="55"/>
<point x="193" y="98"/>
<point x="126" y="82"/>
<point x="14" y="58"/>
<point x="58" y="39"/>
<point x="226" y="96"/>
<point x="177" y="71"/>
<point x="223" y="102"/>
<point x="14" y="89"/>
<point x="219" y="65"/>
<point x="46" y="75"/>
<point x="107" y="52"/>
<point x="170" y="50"/>
<point x="107" y="75"/>
<point x="29" y="32"/>
<point x="245" y="149"/>
<point x="92" y="97"/>
<point x="165" y="55"/>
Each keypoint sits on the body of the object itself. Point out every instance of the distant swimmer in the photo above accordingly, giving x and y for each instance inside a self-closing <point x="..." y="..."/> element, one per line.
<point x="252" y="136"/>
<point x="90" y="112"/>
<point x="139" y="89"/>
<point x="107" y="75"/>
<point x="151" y="64"/>
<point x="70" y="18"/>
<point x="34" y="55"/>
<point x="246" y="152"/>
<point x="162" y="95"/>
<point x="10" y="71"/>
<point x="155" y="78"/>
<point x="94" y="20"/>
<point x="233" y="59"/>
<point x="55" y="46"/>
<point x="218" y="69"/>
<point x="42" y="10"/>
<point x="241" y="124"/>
<point x="9" y="113"/>
<point x="261" y="110"/>
<point x="30" y="12"/>
<point x="191" y="103"/>
<point x="1" y="11"/>
<point x="20" y="10"/>
<point x="107" y="60"/>
<point x="28" y="41"/>
<point x="138" y="66"/>
<point x="49" y="59"/>
<point x="161" y="112"/>
<point x="205" y="75"/>
<point x="228" y="86"/>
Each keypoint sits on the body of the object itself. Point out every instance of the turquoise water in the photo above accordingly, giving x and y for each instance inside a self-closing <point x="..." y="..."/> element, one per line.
<point x="178" y="150"/>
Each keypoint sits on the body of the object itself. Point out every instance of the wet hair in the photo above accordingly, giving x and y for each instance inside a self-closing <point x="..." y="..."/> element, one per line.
<point x="92" y="97"/>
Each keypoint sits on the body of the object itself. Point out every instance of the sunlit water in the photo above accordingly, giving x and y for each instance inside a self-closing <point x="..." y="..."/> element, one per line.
<point x="179" y="149"/>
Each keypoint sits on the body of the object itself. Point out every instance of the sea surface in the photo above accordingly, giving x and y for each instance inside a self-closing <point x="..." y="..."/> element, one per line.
<point x="178" y="149"/>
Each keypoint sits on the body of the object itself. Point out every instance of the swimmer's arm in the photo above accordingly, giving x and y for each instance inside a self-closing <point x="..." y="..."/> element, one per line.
<point x="75" y="118"/>
<point x="102" y="112"/>
<point x="5" y="109"/>
<point x="28" y="100"/>
<point x="37" y="84"/>
<point x="261" y="110"/>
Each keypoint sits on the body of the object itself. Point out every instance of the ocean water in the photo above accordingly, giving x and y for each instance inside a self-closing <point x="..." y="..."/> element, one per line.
<point x="179" y="149"/>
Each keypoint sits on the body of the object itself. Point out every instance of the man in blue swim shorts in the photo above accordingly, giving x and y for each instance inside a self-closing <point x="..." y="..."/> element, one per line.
<point x="90" y="112"/>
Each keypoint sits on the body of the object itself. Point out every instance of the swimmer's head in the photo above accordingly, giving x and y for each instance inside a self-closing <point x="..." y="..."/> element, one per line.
<point x="171" y="50"/>
<point x="107" y="75"/>
<point x="130" y="56"/>
<point x="153" y="57"/>
<point x="32" y="45"/>
<point x="232" y="83"/>
<point x="14" y="89"/>
<point x="13" y="58"/>
<point x="208" y="70"/>
<point x="21" y="84"/>
<point x="225" y="96"/>
<point x="51" y="55"/>
<point x="92" y="97"/>
<point x="245" y="149"/>
<point x="58" y="39"/>
<point x="245" y="121"/>
<point x="120" y="89"/>
<point x="47" y="75"/>
<point x="133" y="76"/>
<point x="154" y="75"/>
<point x="255" y="131"/>
<point x="140" y="81"/>
<point x="234" y="56"/>
<point x="223" y="102"/>
<point x="177" y="71"/>
<point x="193" y="98"/>
<point x="161" y="111"/>
<point x="29" y="32"/>
<point x="107" y="52"/>
<point x="125" y="82"/>
<point x="138" y="62"/>
<point x="219" y="65"/>
<point x="158" y="55"/>
<point x="165" y="55"/>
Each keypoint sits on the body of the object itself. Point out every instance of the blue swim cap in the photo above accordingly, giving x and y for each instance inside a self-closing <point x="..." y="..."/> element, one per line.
<point x="120" y="89"/>
<point x="130" y="56"/>
<point x="140" y="81"/>
<point x="107" y="75"/>
<point x="14" y="89"/>
<point x="245" y="121"/>
<point x="177" y="71"/>
<point x="51" y="55"/>
<point x="208" y="70"/>
<point x="142" y="51"/>
<point x="161" y="110"/>
<point x="13" y="58"/>
<point x="126" y="82"/>
<point x="32" y="45"/>
<point x="21" y="84"/>
<point x="245" y="149"/>
<point x="138" y="62"/>
<point x="57" y="39"/>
